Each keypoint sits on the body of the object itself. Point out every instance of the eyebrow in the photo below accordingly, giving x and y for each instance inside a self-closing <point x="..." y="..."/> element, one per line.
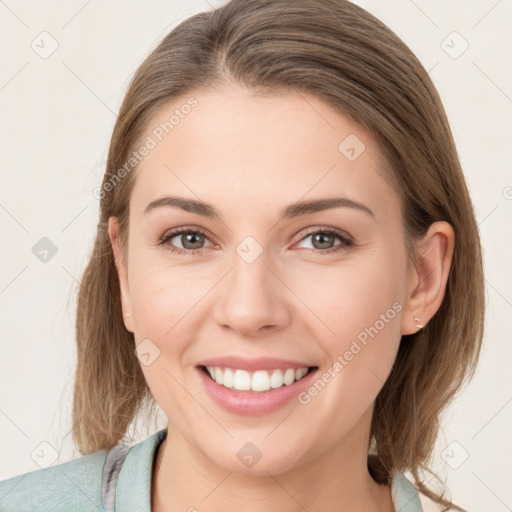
<point x="291" y="211"/>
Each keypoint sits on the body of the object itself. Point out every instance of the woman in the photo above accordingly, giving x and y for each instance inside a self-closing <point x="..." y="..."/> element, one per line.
<point x="287" y="241"/>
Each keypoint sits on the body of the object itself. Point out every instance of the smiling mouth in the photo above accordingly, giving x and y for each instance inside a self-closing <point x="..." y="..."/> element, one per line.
<point x="256" y="381"/>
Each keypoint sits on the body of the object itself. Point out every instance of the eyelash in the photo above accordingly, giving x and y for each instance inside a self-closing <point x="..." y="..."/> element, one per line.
<point x="347" y="242"/>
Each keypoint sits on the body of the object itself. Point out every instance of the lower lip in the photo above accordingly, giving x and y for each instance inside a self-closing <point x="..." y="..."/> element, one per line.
<point x="250" y="403"/>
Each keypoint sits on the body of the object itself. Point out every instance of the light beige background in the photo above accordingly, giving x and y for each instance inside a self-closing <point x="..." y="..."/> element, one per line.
<point x="57" y="114"/>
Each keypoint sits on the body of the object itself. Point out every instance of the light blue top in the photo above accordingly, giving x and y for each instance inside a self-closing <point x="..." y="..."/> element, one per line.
<point x="122" y="475"/>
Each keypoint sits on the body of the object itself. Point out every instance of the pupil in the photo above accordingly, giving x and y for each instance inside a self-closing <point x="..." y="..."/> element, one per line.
<point x="191" y="235"/>
<point x="321" y="237"/>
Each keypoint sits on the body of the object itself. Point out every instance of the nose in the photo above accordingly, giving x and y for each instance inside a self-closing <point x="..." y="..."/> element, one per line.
<point x="253" y="298"/>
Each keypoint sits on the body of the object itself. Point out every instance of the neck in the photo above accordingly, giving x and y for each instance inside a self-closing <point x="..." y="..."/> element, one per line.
<point x="185" y="479"/>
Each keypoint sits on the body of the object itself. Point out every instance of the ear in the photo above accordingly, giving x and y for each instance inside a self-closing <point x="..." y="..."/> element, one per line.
<point x="426" y="282"/>
<point x="113" y="230"/>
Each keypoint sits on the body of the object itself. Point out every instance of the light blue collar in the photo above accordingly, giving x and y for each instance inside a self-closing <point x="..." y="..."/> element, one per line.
<point x="404" y="494"/>
<point x="128" y="472"/>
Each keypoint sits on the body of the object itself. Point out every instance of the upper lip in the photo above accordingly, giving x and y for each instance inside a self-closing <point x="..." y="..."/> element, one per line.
<point x="257" y="363"/>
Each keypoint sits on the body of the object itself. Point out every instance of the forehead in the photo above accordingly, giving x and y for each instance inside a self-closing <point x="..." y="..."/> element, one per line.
<point x="229" y="145"/>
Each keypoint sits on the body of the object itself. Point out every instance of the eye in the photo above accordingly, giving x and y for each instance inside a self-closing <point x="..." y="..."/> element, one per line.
<point x="322" y="240"/>
<point x="191" y="240"/>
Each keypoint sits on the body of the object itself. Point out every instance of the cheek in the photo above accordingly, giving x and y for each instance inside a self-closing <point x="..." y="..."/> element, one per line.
<point x="367" y="335"/>
<point x="360" y="307"/>
<point x="163" y="315"/>
<point x="163" y="298"/>
<point x="363" y="292"/>
<point x="360" y="355"/>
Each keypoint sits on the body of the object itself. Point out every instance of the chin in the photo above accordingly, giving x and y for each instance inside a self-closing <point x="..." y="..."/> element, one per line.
<point x="250" y="461"/>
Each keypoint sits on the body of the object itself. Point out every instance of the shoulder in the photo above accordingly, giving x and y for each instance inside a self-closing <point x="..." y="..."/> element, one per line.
<point x="72" y="485"/>
<point x="116" y="479"/>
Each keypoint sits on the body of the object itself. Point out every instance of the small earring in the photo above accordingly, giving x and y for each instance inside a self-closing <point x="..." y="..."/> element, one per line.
<point x="418" y="325"/>
<point x="127" y="314"/>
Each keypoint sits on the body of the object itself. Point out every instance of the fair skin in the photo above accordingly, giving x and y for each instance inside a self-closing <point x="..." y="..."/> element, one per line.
<point x="250" y="157"/>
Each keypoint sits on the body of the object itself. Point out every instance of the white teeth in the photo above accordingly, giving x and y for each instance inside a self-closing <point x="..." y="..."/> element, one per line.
<point x="218" y="376"/>
<point x="242" y="380"/>
<point x="289" y="376"/>
<point x="258" y="381"/>
<point x="228" y="378"/>
<point x="276" y="379"/>
<point x="300" y="373"/>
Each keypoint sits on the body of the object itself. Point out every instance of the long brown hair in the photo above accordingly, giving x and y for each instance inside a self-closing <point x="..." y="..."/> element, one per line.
<point x="345" y="56"/>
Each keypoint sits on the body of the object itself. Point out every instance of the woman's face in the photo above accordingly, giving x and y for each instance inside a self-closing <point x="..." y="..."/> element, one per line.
<point x="266" y="286"/>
